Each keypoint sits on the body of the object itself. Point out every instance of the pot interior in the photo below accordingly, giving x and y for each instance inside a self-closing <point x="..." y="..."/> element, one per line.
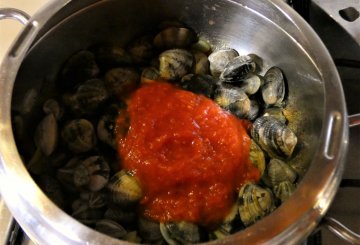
<point x="245" y="26"/>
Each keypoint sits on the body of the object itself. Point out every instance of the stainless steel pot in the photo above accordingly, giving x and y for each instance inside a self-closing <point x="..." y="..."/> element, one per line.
<point x="268" y="28"/>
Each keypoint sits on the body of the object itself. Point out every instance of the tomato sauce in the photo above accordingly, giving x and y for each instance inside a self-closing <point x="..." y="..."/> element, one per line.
<point x="189" y="155"/>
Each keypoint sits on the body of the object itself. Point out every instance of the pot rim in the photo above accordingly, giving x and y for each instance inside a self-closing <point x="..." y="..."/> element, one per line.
<point x="45" y="223"/>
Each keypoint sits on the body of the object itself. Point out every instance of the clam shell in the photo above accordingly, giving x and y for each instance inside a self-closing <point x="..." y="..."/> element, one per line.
<point x="122" y="81"/>
<point x="51" y="106"/>
<point x="251" y="84"/>
<point x="202" y="45"/>
<point x="284" y="190"/>
<point x="274" y="137"/>
<point x="124" y="189"/>
<point x="199" y="84"/>
<point x="149" y="75"/>
<point x="276" y="112"/>
<point x="93" y="173"/>
<point x="180" y="232"/>
<point x="201" y="65"/>
<point x="142" y="49"/>
<point x="174" y="64"/>
<point x="273" y="89"/>
<point x="219" y="60"/>
<point x="110" y="228"/>
<point x="121" y="215"/>
<point x="279" y="171"/>
<point x="88" y="98"/>
<point x="107" y="126"/>
<point x="149" y="230"/>
<point x="132" y="236"/>
<point x="254" y="203"/>
<point x="111" y="55"/>
<point x="80" y="67"/>
<point x="94" y="199"/>
<point x="233" y="99"/>
<point x="254" y="110"/>
<point x="79" y="135"/>
<point x="46" y="134"/>
<point x="238" y="69"/>
<point x="229" y="224"/>
<point x="257" y="157"/>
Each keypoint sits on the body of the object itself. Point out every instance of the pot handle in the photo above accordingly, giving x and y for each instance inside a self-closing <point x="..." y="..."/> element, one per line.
<point x="354" y="120"/>
<point x="16" y="14"/>
<point x="332" y="224"/>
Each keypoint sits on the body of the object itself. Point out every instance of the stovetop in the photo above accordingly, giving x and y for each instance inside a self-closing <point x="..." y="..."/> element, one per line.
<point x="346" y="54"/>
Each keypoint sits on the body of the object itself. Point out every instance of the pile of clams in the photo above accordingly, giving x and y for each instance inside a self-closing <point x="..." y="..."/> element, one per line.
<point x="75" y="160"/>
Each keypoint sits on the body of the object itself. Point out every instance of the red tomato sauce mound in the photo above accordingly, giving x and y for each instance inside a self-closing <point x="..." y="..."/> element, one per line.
<point x="189" y="155"/>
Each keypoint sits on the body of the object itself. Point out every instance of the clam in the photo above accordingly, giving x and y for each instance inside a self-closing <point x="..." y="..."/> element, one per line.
<point x="199" y="84"/>
<point x="149" y="75"/>
<point x="111" y="55"/>
<point x="120" y="215"/>
<point x="241" y="107"/>
<point x="174" y="64"/>
<point x="276" y="112"/>
<point x="46" y="134"/>
<point x="175" y="37"/>
<point x="201" y="65"/>
<point x="254" y="203"/>
<point x="273" y="89"/>
<point x="202" y="45"/>
<point x="80" y="67"/>
<point x="279" y="171"/>
<point x="254" y="110"/>
<point x="182" y="232"/>
<point x="258" y="61"/>
<point x="110" y="228"/>
<point x="229" y="225"/>
<point x="94" y="199"/>
<point x="124" y="189"/>
<point x="93" y="173"/>
<point x="107" y="124"/>
<point x="38" y="163"/>
<point x="122" y="81"/>
<point x="85" y="214"/>
<point x="219" y="60"/>
<point x="88" y="98"/>
<point x="233" y="99"/>
<point x="251" y="84"/>
<point x="132" y="236"/>
<point x="51" y="106"/>
<point x="257" y="157"/>
<point x="65" y="175"/>
<point x="79" y="135"/>
<point x="149" y="230"/>
<point x="274" y="137"/>
<point x="238" y="69"/>
<point x="225" y="95"/>
<point x="284" y="190"/>
<point x="142" y="49"/>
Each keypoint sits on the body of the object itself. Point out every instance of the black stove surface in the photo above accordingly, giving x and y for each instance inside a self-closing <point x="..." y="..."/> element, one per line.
<point x="346" y="54"/>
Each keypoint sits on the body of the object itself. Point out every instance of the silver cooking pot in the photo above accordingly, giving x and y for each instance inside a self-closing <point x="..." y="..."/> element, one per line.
<point x="270" y="29"/>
